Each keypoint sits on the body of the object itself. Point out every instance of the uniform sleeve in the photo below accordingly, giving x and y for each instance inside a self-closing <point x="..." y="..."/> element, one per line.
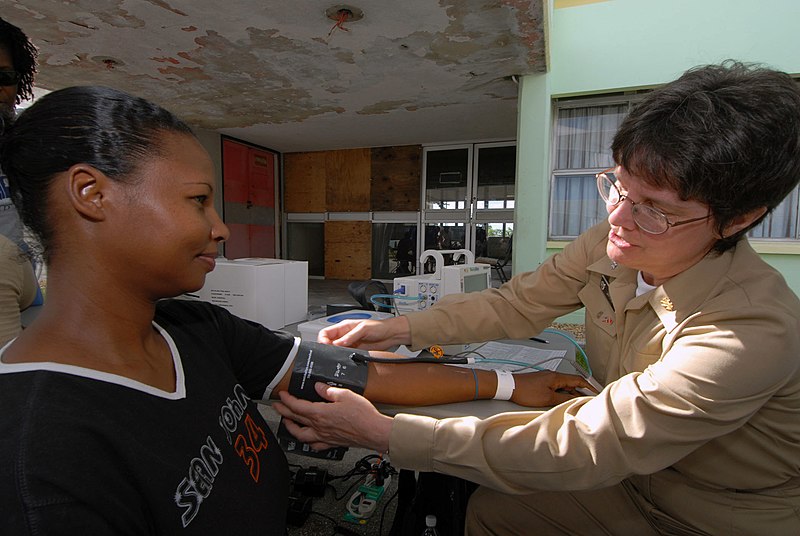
<point x="521" y="308"/>
<point x="17" y="289"/>
<point x="723" y="368"/>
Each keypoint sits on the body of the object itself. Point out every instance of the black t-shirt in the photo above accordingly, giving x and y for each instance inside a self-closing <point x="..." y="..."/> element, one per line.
<point x="88" y="453"/>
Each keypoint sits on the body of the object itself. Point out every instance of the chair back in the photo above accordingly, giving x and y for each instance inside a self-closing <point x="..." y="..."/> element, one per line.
<point x="363" y="291"/>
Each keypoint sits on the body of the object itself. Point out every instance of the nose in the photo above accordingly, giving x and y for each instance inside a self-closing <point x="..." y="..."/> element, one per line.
<point x="621" y="214"/>
<point x="219" y="231"/>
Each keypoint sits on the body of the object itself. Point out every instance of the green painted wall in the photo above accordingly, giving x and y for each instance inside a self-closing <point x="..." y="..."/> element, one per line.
<point x="620" y="44"/>
<point x="630" y="43"/>
<point x="533" y="163"/>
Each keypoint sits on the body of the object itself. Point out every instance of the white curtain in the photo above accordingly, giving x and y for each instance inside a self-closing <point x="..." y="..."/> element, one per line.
<point x="576" y="205"/>
<point x="781" y="222"/>
<point x="584" y="135"/>
<point x="583" y="138"/>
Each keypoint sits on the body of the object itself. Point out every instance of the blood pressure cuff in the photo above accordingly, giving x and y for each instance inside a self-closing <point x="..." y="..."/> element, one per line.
<point x="328" y="364"/>
<point x="324" y="363"/>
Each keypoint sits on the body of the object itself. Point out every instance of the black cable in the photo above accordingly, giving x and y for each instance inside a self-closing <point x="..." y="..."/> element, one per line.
<point x="385" y="506"/>
<point x="348" y="490"/>
<point x="358" y="468"/>
<point x="360" y="358"/>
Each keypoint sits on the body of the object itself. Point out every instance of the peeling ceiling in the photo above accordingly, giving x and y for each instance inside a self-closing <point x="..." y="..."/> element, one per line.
<point x="283" y="75"/>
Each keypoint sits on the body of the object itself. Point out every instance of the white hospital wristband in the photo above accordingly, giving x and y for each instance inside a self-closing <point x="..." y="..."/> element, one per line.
<point x="505" y="385"/>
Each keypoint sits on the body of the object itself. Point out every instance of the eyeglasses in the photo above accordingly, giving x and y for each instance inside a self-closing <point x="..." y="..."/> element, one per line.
<point x="9" y="78"/>
<point x="649" y="219"/>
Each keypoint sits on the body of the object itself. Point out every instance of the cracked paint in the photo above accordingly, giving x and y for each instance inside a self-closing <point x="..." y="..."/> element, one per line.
<point x="270" y="64"/>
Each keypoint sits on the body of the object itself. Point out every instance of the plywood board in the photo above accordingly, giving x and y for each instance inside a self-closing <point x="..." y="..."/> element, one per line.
<point x="347" y="174"/>
<point x="348" y="250"/>
<point x="396" y="178"/>
<point x="304" y="182"/>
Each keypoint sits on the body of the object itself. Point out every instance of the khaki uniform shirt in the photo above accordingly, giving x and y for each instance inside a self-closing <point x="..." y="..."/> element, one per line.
<point x="701" y="409"/>
<point x="17" y="288"/>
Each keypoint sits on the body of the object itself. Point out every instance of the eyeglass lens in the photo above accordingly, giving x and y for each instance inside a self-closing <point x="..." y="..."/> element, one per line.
<point x="648" y="218"/>
<point x="9" y="78"/>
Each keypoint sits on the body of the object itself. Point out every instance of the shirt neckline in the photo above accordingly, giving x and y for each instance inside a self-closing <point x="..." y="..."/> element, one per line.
<point x="107" y="377"/>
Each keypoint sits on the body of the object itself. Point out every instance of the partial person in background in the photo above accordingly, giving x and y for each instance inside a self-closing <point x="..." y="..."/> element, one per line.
<point x="18" y="287"/>
<point x="123" y="411"/>
<point x="406" y="254"/>
<point x="696" y="338"/>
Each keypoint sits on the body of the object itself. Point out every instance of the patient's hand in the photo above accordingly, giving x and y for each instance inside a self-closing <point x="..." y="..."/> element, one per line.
<point x="547" y="388"/>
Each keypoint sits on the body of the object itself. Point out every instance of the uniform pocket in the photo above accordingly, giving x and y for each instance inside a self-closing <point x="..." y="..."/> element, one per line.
<point x="598" y="307"/>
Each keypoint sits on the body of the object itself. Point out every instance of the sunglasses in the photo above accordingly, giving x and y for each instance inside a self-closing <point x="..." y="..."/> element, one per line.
<point x="9" y="78"/>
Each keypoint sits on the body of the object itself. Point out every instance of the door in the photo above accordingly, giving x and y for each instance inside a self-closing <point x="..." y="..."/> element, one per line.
<point x="468" y="197"/>
<point x="249" y="186"/>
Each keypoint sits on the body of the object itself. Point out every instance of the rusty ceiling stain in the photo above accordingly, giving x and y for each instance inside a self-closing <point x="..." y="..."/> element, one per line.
<point x="253" y="68"/>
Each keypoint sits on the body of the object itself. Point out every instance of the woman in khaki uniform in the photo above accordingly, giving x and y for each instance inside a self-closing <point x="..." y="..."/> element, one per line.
<point x="696" y="339"/>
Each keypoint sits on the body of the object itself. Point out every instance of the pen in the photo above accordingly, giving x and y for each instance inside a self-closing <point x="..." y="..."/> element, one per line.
<point x="537" y="339"/>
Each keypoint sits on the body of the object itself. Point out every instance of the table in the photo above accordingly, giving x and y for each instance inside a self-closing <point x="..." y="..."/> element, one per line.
<point x="447" y="496"/>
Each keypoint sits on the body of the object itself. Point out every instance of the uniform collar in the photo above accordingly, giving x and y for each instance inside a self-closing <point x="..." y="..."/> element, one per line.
<point x="676" y="299"/>
<point x="683" y="294"/>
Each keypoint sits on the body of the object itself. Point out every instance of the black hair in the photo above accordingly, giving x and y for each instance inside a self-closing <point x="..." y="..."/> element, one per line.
<point x="23" y="54"/>
<point x="105" y="128"/>
<point x="726" y="135"/>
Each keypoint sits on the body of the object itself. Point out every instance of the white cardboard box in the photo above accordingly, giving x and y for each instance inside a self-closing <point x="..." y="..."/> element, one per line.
<point x="295" y="284"/>
<point x="272" y="292"/>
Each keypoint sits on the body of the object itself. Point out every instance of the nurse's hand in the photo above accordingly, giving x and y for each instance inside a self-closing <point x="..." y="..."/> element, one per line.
<point x="368" y="334"/>
<point x="347" y="419"/>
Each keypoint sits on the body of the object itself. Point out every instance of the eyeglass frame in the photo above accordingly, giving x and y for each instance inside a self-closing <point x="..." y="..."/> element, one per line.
<point x="623" y="197"/>
<point x="11" y="80"/>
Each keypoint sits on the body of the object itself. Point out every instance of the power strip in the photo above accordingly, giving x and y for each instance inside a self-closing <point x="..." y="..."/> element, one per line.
<point x="364" y="501"/>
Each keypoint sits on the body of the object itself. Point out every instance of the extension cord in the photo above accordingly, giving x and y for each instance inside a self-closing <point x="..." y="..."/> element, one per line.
<point x="364" y="501"/>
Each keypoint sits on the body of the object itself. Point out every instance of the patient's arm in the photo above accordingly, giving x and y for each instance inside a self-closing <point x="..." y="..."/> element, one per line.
<point x="422" y="384"/>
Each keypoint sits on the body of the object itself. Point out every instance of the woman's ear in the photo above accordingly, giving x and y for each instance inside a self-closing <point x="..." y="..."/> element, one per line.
<point x="86" y="189"/>
<point x="744" y="221"/>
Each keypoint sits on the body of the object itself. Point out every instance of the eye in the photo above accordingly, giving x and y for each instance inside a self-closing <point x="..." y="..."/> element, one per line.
<point x="201" y="199"/>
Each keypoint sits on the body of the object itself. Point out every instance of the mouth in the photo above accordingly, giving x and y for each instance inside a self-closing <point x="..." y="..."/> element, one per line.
<point x="618" y="241"/>
<point x="209" y="259"/>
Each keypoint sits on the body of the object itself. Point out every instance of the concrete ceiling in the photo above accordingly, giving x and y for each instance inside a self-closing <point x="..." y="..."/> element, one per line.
<point x="278" y="73"/>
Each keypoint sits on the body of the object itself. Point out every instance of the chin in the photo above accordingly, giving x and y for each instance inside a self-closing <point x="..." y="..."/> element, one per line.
<point x="620" y="257"/>
<point x="196" y="285"/>
<point x="614" y="253"/>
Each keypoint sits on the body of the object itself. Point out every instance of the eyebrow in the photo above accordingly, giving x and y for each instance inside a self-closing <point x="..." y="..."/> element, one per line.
<point x="665" y="206"/>
<point x="200" y="183"/>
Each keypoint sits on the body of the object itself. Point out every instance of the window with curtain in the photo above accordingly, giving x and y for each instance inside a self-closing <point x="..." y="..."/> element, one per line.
<point x="582" y="147"/>
<point x="582" y="134"/>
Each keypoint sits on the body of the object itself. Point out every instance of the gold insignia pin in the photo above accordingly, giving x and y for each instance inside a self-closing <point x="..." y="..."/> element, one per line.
<point x="666" y="303"/>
